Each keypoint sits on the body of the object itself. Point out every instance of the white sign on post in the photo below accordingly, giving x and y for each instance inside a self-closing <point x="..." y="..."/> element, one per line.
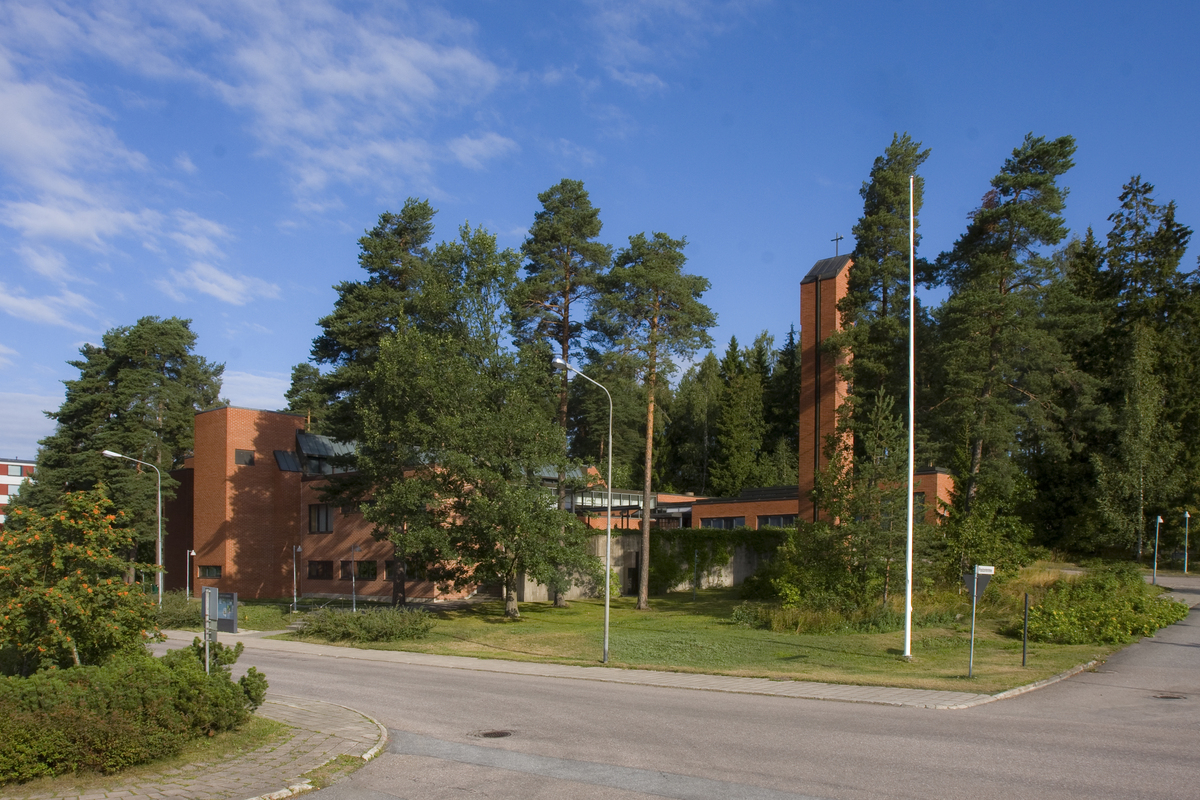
<point x="976" y="582"/>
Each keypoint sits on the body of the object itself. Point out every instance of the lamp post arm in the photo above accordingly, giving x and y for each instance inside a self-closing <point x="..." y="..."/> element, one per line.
<point x="158" y="475"/>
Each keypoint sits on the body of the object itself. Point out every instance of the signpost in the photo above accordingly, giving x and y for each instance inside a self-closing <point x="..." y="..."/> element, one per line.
<point x="208" y="602"/>
<point x="976" y="582"/>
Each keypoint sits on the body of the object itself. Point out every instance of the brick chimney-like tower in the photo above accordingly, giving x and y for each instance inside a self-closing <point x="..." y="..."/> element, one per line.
<point x="822" y="390"/>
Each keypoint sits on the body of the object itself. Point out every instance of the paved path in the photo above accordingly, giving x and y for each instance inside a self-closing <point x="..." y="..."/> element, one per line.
<point x="321" y="732"/>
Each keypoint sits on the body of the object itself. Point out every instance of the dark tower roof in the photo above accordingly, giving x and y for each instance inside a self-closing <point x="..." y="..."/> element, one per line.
<point x="827" y="268"/>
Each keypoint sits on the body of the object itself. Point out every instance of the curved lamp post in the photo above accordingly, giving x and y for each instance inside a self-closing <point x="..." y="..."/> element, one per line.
<point x="559" y="363"/>
<point x="158" y="561"/>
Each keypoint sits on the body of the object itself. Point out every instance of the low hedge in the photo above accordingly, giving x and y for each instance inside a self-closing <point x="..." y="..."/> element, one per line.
<point x="1110" y="605"/>
<point x="128" y="712"/>
<point x="369" y="625"/>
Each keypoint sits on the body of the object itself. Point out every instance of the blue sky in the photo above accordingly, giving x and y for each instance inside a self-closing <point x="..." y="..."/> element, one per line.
<point x="218" y="160"/>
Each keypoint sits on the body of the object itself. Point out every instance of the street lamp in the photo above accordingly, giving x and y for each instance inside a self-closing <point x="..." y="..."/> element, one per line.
<point x="158" y="561"/>
<point x="560" y="363"/>
<point x="353" y="588"/>
<point x="188" y="581"/>
<point x="1157" y="522"/>
<point x="295" y="549"/>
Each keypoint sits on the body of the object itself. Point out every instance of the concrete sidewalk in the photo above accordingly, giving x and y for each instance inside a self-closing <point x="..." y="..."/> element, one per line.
<point x="320" y="733"/>
<point x="879" y="695"/>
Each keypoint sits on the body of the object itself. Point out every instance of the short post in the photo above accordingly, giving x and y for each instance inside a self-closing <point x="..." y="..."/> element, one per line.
<point x="188" y="580"/>
<point x="353" y="586"/>
<point x="1157" y="522"/>
<point x="1025" y="634"/>
<point x="696" y="578"/>
<point x="1186" y="517"/>
<point x="295" y="549"/>
<point x="976" y="582"/>
<point x="208" y="604"/>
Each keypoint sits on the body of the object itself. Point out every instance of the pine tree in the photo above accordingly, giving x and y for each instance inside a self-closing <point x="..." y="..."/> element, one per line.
<point x="137" y="394"/>
<point x="875" y="309"/>
<point x="690" y="435"/>
<point x="991" y="340"/>
<point x="651" y="310"/>
<point x="394" y="254"/>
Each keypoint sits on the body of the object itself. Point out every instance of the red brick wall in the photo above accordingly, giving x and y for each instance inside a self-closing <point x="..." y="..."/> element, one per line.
<point x="179" y="514"/>
<point x="246" y="517"/>
<point x="750" y="509"/>
<point x="818" y="407"/>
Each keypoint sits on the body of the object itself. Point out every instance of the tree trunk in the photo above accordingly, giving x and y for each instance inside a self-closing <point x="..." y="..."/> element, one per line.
<point x="510" y="597"/>
<point x="399" y="579"/>
<point x="643" y="602"/>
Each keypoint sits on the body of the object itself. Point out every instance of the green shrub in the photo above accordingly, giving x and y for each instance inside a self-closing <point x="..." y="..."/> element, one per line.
<point x="826" y="620"/>
<point x="129" y="711"/>
<point x="1112" y="604"/>
<point x="369" y="625"/>
<point x="179" y="612"/>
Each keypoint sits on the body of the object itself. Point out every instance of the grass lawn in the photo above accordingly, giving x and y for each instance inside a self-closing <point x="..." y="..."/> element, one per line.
<point x="682" y="635"/>
<point x="258" y="732"/>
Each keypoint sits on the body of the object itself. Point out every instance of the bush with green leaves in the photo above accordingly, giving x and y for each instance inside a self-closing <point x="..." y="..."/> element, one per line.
<point x="369" y="625"/>
<point x="179" y="612"/>
<point x="1112" y="604"/>
<point x="133" y="709"/>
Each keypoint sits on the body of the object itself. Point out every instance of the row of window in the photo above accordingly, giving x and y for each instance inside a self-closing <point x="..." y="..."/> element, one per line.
<point x="360" y="570"/>
<point x="323" y="570"/>
<point x="764" y="521"/>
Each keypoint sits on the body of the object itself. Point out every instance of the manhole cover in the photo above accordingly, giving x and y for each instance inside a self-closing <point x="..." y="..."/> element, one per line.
<point x="1169" y="697"/>
<point x="494" y="734"/>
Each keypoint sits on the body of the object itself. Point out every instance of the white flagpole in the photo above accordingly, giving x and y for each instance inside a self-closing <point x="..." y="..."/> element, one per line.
<point x="912" y="405"/>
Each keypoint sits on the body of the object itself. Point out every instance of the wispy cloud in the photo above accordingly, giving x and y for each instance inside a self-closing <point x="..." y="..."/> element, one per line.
<point x="229" y="288"/>
<point x="63" y="309"/>
<point x="48" y="263"/>
<point x="6" y="356"/>
<point x="196" y="234"/>
<point x="637" y="38"/>
<point x="472" y="151"/>
<point x="25" y="422"/>
<point x="184" y="163"/>
<point x="573" y="153"/>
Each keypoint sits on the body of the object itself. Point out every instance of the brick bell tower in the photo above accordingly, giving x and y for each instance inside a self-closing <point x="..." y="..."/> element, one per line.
<point x="822" y="389"/>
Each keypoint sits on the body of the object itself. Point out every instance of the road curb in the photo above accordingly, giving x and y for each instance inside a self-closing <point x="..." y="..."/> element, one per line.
<point x="1029" y="687"/>
<point x="306" y="786"/>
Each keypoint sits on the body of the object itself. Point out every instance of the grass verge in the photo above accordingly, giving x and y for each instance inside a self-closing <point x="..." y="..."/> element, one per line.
<point x="257" y="733"/>
<point x="682" y="635"/>
<point x="333" y="771"/>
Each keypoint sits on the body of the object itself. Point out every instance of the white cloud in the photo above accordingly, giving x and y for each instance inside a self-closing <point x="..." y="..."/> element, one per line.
<point x="63" y="309"/>
<point x="6" y="354"/>
<point x="472" y="151"/>
<point x="639" y="36"/>
<point x="196" y="234"/>
<point x="184" y="162"/>
<point x="201" y="277"/>
<point x="50" y="264"/>
<point x="253" y="390"/>
<point x="574" y="153"/>
<point x="25" y="423"/>
<point x="88" y="224"/>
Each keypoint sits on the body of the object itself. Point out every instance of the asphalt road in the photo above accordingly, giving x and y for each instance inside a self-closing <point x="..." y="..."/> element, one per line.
<point x="1131" y="729"/>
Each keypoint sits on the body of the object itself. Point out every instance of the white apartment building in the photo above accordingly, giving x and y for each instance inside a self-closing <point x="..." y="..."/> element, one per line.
<point x="13" y="472"/>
